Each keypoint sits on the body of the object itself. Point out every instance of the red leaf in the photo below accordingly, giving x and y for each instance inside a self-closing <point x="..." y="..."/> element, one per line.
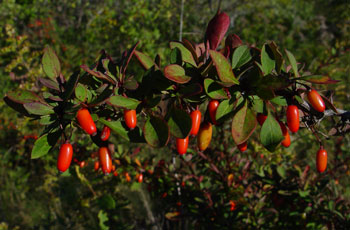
<point x="216" y="29"/>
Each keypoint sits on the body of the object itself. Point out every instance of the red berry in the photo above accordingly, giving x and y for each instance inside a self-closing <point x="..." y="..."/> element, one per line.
<point x="130" y="118"/>
<point x="181" y="145"/>
<point x="105" y="160"/>
<point x="243" y="147"/>
<point x="293" y="118"/>
<point x="316" y="100"/>
<point x="97" y="165"/>
<point x="286" y="141"/>
<point x="106" y="132"/>
<point x="321" y="160"/>
<point x="261" y="118"/>
<point x="196" y="121"/>
<point x="212" y="107"/>
<point x="86" y="122"/>
<point x="65" y="157"/>
<point x="139" y="178"/>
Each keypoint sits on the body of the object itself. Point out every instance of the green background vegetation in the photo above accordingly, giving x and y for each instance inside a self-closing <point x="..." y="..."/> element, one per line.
<point x="273" y="189"/>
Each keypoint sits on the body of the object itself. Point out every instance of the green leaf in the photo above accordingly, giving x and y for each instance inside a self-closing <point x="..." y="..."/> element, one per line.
<point x="190" y="90"/>
<point x="102" y="217"/>
<point x="225" y="110"/>
<point x="176" y="73"/>
<point x="106" y="202"/>
<point x="38" y="108"/>
<point x="243" y="123"/>
<point x="185" y="53"/>
<point x="271" y="134"/>
<point x="318" y="79"/>
<point x="44" y="144"/>
<point x="123" y="131"/>
<point x="281" y="171"/>
<point x="50" y="62"/>
<point x="156" y="131"/>
<point x="267" y="60"/>
<point x="214" y="90"/>
<point x="293" y="63"/>
<point x="124" y="102"/>
<point x="144" y="60"/>
<point x="279" y="100"/>
<point x="223" y="68"/>
<point x="130" y="83"/>
<point x="175" y="56"/>
<point x="80" y="92"/>
<point x="180" y="123"/>
<point x="240" y="56"/>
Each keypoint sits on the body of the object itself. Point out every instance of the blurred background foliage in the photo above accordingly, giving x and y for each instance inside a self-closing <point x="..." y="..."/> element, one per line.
<point x="270" y="190"/>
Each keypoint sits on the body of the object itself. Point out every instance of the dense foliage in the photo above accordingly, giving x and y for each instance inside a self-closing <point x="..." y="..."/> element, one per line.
<point x="155" y="188"/>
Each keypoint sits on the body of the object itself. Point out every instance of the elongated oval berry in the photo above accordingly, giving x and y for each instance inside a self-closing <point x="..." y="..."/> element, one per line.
<point x="181" y="145"/>
<point x="106" y="132"/>
<point x="65" y="157"/>
<point x="196" y="117"/>
<point x="293" y="118"/>
<point x="139" y="178"/>
<point x="97" y="165"/>
<point x="316" y="101"/>
<point x="212" y="107"/>
<point x="286" y="140"/>
<point x="261" y="118"/>
<point x="105" y="160"/>
<point x="86" y="122"/>
<point x="204" y="136"/>
<point x="321" y="160"/>
<point x="243" y="147"/>
<point x="130" y="118"/>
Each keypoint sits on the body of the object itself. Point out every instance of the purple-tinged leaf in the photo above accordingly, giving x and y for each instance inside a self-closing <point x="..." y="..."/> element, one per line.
<point x="176" y="73"/>
<point x="49" y="84"/>
<point x="329" y="104"/>
<point x="185" y="53"/>
<point x="318" y="79"/>
<point x="98" y="74"/>
<point x="144" y="60"/>
<point x="23" y="96"/>
<point x="50" y="63"/>
<point x="223" y="68"/>
<point x="38" y="108"/>
<point x="243" y="124"/>
<point x="232" y="41"/>
<point x="130" y="83"/>
<point x="216" y="29"/>
<point x="129" y="55"/>
<point x="191" y="48"/>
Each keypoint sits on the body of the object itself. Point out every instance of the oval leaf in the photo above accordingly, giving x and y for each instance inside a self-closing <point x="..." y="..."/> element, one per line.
<point x="22" y="96"/>
<point x="267" y="60"/>
<point x="243" y="124"/>
<point x="240" y="56"/>
<point x="144" y="60"/>
<point x="49" y="83"/>
<point x="214" y="90"/>
<point x="318" y="79"/>
<point x="185" y="53"/>
<point x="225" y="110"/>
<point x="156" y="132"/>
<point x="44" y="144"/>
<point x="176" y="73"/>
<point x="223" y="67"/>
<point x="124" y="102"/>
<point x="271" y="134"/>
<point x="50" y="62"/>
<point x="80" y="92"/>
<point x="38" y="108"/>
<point x="123" y="131"/>
<point x="293" y="63"/>
<point x="180" y="123"/>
